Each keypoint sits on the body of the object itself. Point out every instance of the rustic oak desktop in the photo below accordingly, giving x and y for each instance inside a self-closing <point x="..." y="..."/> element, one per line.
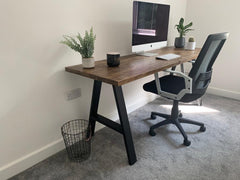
<point x="132" y="67"/>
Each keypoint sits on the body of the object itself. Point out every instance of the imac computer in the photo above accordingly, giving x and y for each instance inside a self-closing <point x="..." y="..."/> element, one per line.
<point x="149" y="27"/>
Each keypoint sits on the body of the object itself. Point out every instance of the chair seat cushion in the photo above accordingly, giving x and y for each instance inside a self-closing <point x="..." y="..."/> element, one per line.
<point x="169" y="83"/>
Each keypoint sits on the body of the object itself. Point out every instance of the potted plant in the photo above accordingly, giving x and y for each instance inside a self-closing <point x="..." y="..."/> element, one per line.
<point x="191" y="44"/>
<point x="83" y="45"/>
<point x="182" y="30"/>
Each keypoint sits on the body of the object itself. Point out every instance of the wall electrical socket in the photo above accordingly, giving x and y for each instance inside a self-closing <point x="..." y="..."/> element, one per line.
<point x="73" y="94"/>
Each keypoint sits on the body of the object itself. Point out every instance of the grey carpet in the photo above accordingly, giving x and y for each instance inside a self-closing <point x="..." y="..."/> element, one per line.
<point x="214" y="154"/>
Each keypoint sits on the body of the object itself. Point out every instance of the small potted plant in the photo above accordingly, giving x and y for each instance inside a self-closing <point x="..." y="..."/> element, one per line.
<point x="191" y="44"/>
<point x="182" y="30"/>
<point x="83" y="45"/>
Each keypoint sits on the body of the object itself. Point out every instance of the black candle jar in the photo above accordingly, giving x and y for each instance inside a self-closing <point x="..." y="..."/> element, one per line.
<point x="113" y="59"/>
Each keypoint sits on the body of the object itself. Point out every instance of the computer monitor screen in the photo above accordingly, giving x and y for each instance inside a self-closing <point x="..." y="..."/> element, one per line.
<point x="149" y="26"/>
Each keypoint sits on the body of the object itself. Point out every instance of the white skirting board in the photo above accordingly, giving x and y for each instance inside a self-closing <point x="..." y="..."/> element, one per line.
<point x="30" y="159"/>
<point x="40" y="154"/>
<point x="224" y="93"/>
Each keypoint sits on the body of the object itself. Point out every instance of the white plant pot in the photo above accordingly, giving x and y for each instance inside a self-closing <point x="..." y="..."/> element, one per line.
<point x="88" y="62"/>
<point x="191" y="45"/>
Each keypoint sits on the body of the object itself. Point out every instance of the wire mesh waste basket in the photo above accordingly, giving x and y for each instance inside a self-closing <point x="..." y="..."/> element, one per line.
<point x="77" y="139"/>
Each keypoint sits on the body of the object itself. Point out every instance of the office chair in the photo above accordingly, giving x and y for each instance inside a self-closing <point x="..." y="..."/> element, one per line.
<point x="179" y="87"/>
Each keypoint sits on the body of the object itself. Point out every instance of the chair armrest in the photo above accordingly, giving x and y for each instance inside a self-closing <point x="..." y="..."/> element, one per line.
<point x="181" y="74"/>
<point x="188" y="86"/>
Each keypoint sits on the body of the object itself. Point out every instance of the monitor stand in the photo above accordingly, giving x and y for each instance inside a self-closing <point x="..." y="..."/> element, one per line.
<point x="148" y="54"/>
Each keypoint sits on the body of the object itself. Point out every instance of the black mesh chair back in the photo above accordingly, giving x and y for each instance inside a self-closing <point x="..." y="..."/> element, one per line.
<point x="201" y="71"/>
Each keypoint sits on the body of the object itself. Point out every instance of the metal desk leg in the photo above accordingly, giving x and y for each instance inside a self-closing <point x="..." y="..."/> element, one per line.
<point x="94" y="104"/>
<point x="125" y="124"/>
<point x="173" y="69"/>
<point x="182" y="68"/>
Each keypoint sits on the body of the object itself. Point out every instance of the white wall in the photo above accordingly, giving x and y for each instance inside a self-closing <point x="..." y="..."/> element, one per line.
<point x="33" y="80"/>
<point x="212" y="16"/>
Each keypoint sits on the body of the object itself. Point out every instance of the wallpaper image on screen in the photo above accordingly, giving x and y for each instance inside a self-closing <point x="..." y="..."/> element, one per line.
<point x="150" y="22"/>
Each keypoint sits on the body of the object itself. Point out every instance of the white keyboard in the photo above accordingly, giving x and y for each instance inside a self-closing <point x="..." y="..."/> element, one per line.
<point x="168" y="56"/>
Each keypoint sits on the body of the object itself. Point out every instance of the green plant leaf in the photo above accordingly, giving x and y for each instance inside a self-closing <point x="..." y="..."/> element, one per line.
<point x="181" y="21"/>
<point x="187" y="30"/>
<point x="188" y="26"/>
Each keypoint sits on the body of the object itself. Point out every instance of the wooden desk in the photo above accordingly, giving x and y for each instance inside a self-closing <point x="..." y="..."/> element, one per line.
<point x="131" y="68"/>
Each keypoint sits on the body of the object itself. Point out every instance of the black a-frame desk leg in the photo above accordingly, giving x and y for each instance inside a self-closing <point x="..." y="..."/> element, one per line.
<point x="126" y="131"/>
<point x="94" y="104"/>
<point x="122" y="128"/>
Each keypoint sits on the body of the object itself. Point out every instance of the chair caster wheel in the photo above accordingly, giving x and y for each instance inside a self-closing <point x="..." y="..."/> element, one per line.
<point x="202" y="129"/>
<point x="180" y="114"/>
<point x="186" y="142"/>
<point x="153" y="116"/>
<point x="152" y="133"/>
